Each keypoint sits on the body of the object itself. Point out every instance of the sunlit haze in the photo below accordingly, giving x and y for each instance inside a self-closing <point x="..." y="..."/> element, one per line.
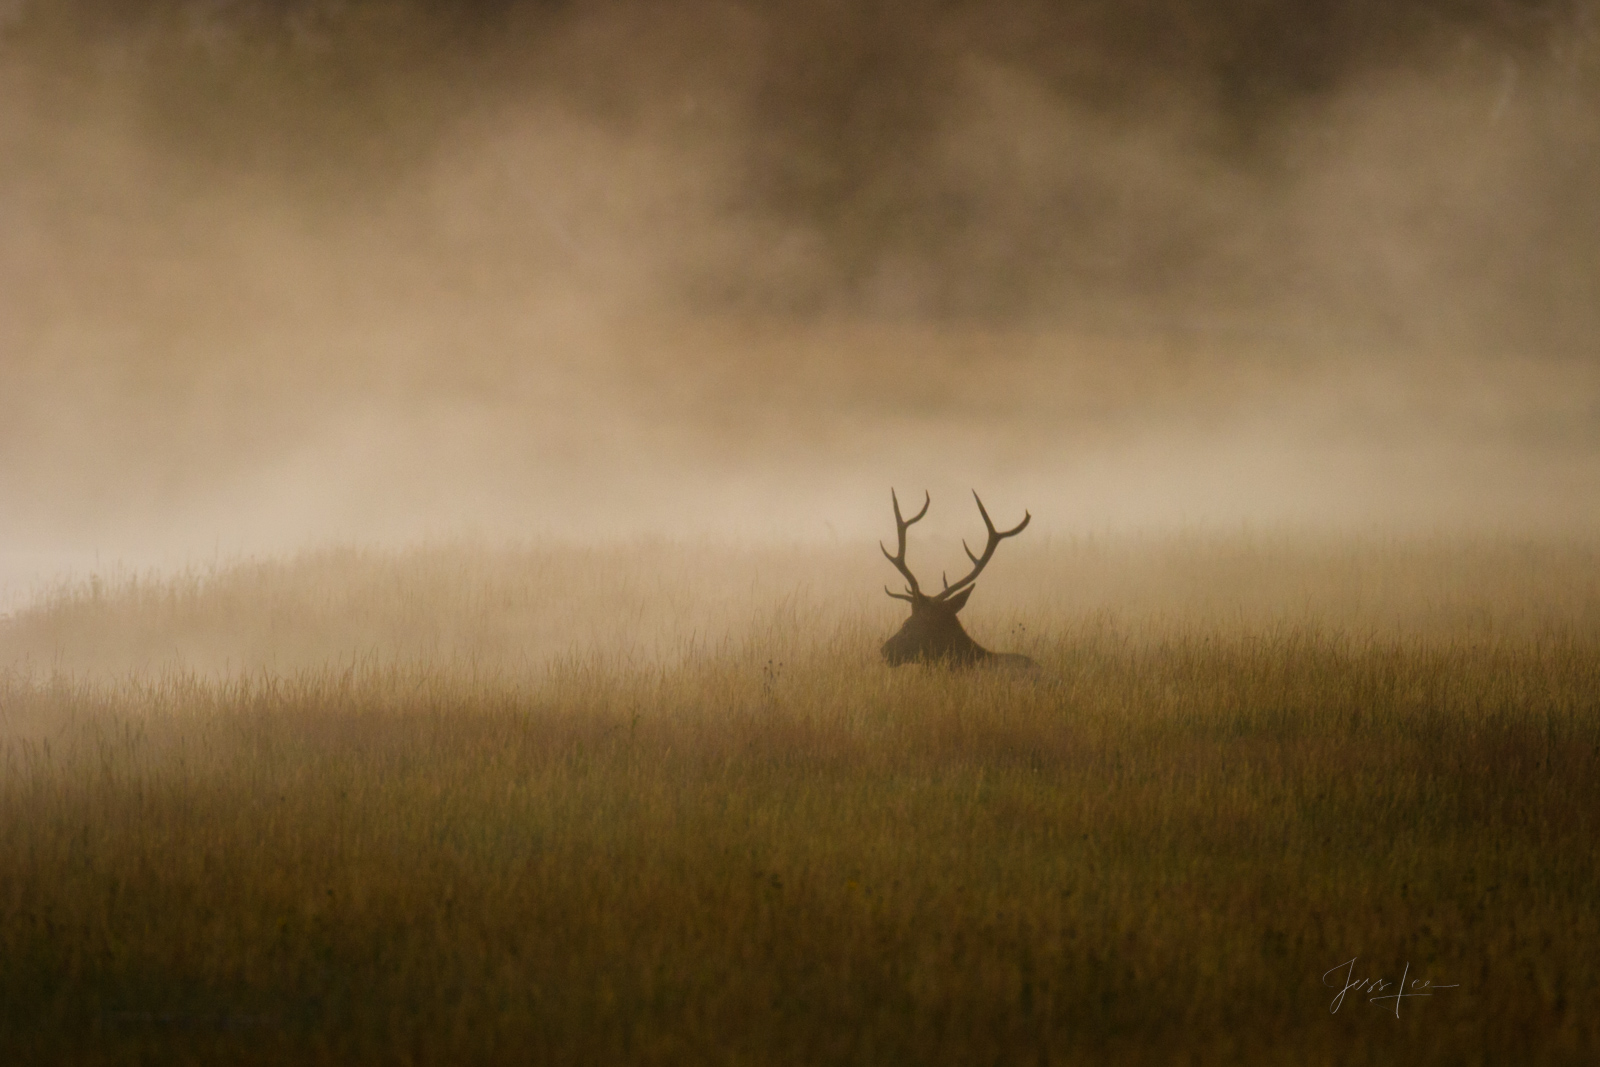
<point x="278" y="275"/>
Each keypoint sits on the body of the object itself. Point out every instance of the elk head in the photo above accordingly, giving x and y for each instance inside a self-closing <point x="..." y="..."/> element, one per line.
<point x="933" y="633"/>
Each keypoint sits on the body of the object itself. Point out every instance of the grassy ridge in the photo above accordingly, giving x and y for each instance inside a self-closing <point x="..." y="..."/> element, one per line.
<point x="775" y="850"/>
<point x="515" y="610"/>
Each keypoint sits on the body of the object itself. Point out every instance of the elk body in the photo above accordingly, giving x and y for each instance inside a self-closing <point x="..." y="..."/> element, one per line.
<point x="933" y="633"/>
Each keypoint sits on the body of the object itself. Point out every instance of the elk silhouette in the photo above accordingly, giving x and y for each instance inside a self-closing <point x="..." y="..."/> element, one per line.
<point x="933" y="633"/>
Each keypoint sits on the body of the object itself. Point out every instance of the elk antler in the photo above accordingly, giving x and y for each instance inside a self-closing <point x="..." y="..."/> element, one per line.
<point x="978" y="562"/>
<point x="899" y="561"/>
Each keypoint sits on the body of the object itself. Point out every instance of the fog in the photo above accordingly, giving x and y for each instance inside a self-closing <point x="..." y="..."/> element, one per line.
<point x="279" y="274"/>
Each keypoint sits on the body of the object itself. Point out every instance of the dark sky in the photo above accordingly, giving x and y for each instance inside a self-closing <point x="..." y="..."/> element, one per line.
<point x="277" y="272"/>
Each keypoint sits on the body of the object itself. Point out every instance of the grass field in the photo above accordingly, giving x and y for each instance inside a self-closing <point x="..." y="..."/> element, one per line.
<point x="662" y="804"/>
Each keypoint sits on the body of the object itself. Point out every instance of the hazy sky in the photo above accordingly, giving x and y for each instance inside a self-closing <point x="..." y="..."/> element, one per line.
<point x="274" y="273"/>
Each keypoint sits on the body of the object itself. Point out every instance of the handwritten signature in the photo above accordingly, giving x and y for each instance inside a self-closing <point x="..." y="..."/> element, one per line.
<point x="1378" y="987"/>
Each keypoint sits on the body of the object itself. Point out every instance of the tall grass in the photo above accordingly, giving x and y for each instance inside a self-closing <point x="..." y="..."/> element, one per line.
<point x="762" y="846"/>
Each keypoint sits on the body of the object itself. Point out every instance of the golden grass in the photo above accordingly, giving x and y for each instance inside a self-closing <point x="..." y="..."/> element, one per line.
<point x="739" y="838"/>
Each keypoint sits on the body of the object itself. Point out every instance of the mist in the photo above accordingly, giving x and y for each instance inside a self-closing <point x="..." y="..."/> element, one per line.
<point x="274" y="275"/>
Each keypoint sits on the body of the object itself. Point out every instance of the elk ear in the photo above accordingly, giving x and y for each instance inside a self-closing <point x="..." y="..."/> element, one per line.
<point x="959" y="601"/>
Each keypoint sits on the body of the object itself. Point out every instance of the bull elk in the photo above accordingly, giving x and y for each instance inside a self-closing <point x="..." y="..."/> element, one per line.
<point x="933" y="633"/>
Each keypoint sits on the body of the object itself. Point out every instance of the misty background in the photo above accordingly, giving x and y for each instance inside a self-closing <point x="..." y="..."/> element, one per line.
<point x="275" y="274"/>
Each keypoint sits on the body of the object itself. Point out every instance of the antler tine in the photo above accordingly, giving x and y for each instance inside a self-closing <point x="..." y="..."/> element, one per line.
<point x="994" y="539"/>
<point x="901" y="524"/>
<point x="926" y="500"/>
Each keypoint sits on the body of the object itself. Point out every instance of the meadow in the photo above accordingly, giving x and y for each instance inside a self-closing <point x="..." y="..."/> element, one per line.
<point x="662" y="803"/>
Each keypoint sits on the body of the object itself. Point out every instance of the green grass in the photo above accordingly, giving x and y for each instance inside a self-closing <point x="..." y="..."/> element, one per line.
<point x="765" y="847"/>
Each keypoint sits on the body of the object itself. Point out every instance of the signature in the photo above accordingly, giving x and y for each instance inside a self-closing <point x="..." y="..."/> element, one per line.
<point x="1378" y="987"/>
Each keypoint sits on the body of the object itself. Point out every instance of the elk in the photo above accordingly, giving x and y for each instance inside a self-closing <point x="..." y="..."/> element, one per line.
<point x="933" y="633"/>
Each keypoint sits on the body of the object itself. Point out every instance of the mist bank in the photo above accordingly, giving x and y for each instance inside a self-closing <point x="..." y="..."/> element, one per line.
<point x="274" y="274"/>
